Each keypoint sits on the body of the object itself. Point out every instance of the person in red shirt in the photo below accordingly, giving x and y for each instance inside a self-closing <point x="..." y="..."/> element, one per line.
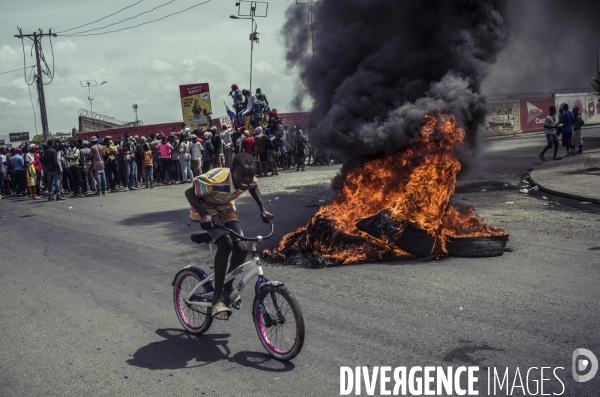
<point x="249" y="146"/>
<point x="165" y="150"/>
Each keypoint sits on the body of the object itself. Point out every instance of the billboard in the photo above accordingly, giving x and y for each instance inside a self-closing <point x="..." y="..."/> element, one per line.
<point x="18" y="136"/>
<point x="572" y="100"/>
<point x="195" y="101"/>
<point x="592" y="109"/>
<point x="533" y="113"/>
<point x="503" y="116"/>
<point x="2" y="142"/>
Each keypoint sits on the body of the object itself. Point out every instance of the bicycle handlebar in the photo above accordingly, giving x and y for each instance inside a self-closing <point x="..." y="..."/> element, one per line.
<point x="244" y="237"/>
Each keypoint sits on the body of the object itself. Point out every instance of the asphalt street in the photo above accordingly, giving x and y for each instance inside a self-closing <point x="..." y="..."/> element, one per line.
<point x="85" y="288"/>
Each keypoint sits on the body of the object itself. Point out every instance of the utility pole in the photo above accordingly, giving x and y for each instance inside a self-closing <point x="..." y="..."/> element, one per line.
<point x="252" y="15"/>
<point x="311" y="19"/>
<point x="36" y="37"/>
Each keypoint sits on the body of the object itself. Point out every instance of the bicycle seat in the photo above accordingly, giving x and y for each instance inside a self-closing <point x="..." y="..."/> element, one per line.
<point x="201" y="236"/>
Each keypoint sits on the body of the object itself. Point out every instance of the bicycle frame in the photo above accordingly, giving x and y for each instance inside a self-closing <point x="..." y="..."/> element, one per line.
<point x="253" y="269"/>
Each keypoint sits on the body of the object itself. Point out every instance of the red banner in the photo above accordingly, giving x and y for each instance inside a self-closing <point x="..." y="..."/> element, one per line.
<point x="534" y="112"/>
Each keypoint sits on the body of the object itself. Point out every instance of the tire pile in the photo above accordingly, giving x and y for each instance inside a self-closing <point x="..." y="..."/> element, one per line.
<point x="422" y="244"/>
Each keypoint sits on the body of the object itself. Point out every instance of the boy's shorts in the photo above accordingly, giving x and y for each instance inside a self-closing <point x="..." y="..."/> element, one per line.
<point x="577" y="138"/>
<point x="224" y="217"/>
<point x="234" y="225"/>
<point x="552" y="139"/>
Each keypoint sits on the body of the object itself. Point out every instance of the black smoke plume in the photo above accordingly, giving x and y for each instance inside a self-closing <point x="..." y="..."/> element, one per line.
<point x="380" y="65"/>
<point x="552" y="45"/>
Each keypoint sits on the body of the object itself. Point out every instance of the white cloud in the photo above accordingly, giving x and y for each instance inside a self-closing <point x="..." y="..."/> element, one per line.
<point x="67" y="47"/>
<point x="8" y="58"/>
<point x="161" y="66"/>
<point x="71" y="100"/>
<point x="2" y="99"/>
<point x="264" y="66"/>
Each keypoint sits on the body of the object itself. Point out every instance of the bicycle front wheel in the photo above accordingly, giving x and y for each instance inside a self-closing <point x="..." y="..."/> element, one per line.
<point x="195" y="319"/>
<point x="281" y="331"/>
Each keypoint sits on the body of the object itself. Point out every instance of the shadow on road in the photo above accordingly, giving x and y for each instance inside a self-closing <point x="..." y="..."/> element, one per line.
<point x="182" y="350"/>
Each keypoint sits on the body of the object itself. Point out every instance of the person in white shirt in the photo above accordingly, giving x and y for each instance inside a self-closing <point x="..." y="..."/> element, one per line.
<point x="226" y="139"/>
<point x="249" y="106"/>
<point x="3" y="171"/>
<point x="196" y="155"/>
<point x="551" y="136"/>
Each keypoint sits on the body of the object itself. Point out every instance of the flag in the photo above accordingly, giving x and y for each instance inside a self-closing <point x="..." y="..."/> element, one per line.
<point x="230" y="112"/>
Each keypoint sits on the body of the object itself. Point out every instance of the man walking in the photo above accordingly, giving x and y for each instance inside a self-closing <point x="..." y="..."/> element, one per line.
<point x="551" y="136"/>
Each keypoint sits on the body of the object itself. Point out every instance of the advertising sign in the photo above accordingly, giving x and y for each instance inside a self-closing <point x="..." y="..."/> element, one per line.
<point x="503" y="116"/>
<point x="2" y="142"/>
<point x="533" y="113"/>
<point x="592" y="108"/>
<point x="195" y="103"/>
<point x="18" y="136"/>
<point x="572" y="100"/>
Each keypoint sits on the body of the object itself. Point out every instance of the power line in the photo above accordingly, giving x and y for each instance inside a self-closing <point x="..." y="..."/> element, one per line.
<point x="43" y="58"/>
<point x="33" y="108"/>
<point x="17" y="70"/>
<point x="123" y="9"/>
<point x="24" y="59"/>
<point x="131" y="27"/>
<point x="126" y="19"/>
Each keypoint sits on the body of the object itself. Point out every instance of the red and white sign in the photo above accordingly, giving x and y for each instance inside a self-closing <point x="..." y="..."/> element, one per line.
<point x="533" y="113"/>
<point x="593" y="109"/>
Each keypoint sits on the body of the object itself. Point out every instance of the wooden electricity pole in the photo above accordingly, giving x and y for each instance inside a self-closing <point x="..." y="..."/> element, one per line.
<point x="36" y="37"/>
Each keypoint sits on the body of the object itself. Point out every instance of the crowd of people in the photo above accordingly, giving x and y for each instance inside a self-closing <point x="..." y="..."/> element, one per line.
<point x="569" y="126"/>
<point x="76" y="167"/>
<point x="56" y="169"/>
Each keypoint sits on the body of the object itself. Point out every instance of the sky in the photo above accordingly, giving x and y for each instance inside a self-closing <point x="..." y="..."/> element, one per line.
<point x="144" y="65"/>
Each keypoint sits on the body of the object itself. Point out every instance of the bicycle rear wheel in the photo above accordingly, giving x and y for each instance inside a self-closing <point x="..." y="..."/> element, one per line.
<point x="282" y="333"/>
<point x="195" y="319"/>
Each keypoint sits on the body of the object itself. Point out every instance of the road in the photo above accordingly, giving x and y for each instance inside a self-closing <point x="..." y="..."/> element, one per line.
<point x="85" y="288"/>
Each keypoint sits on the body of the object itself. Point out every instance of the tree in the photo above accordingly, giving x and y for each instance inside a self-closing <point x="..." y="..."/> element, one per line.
<point x="596" y="80"/>
<point x="74" y="131"/>
<point x="39" y="138"/>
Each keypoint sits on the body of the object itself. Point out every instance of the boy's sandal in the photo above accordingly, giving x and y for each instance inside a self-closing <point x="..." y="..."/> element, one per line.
<point x="220" y="311"/>
<point x="236" y="303"/>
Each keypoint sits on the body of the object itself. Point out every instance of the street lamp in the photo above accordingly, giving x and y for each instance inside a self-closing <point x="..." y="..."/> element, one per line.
<point x="252" y="15"/>
<point x="311" y="19"/>
<point x="91" y="84"/>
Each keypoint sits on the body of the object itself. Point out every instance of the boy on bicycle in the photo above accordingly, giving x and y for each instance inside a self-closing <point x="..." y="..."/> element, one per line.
<point x="212" y="203"/>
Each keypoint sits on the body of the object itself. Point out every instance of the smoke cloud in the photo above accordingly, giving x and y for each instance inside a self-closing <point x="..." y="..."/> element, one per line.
<point x="380" y="65"/>
<point x="552" y="45"/>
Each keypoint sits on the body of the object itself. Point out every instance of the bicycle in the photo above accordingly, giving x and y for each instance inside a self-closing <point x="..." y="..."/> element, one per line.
<point x="275" y="310"/>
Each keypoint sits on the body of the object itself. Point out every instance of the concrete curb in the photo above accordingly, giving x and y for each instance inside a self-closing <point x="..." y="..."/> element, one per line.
<point x="562" y="194"/>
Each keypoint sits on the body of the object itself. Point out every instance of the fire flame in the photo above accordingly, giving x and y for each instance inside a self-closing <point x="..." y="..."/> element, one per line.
<point x="415" y="184"/>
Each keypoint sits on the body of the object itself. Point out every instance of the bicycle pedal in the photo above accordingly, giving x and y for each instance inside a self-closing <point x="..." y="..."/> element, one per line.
<point x="203" y="297"/>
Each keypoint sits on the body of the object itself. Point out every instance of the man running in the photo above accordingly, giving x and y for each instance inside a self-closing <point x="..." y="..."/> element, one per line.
<point x="551" y="136"/>
<point x="212" y="203"/>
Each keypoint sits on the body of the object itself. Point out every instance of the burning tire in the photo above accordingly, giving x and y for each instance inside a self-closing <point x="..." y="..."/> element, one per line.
<point x="417" y="242"/>
<point x="477" y="247"/>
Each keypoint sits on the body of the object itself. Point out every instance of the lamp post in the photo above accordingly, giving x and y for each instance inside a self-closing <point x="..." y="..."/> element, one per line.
<point x="252" y="15"/>
<point x="91" y="84"/>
